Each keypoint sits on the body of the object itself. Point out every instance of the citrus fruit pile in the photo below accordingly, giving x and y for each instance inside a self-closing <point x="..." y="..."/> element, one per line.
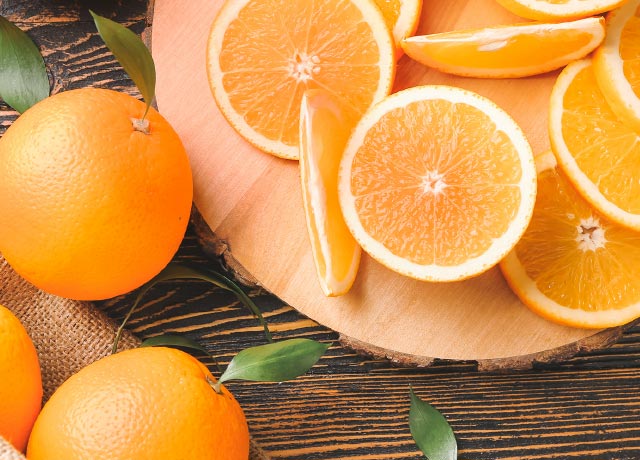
<point x="435" y="182"/>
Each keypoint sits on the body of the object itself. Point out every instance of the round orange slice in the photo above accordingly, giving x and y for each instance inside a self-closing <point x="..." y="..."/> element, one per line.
<point x="573" y="265"/>
<point x="518" y="50"/>
<point x="599" y="153"/>
<point x="559" y="10"/>
<point x="437" y="183"/>
<point x="617" y="63"/>
<point x="402" y="17"/>
<point x="264" y="54"/>
<point x="324" y="129"/>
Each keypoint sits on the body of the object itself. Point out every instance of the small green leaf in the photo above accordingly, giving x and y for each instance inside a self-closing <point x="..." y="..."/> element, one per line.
<point x="431" y="431"/>
<point x="131" y="53"/>
<point x="169" y="340"/>
<point x="275" y="362"/>
<point x="23" y="76"/>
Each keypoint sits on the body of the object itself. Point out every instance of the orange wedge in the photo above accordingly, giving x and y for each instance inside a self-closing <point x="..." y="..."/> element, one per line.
<point x="324" y="129"/>
<point x="437" y="183"/>
<point x="402" y="17"/>
<point x="617" y="63"/>
<point x="573" y="265"/>
<point x="599" y="153"/>
<point x="518" y="50"/>
<point x="263" y="55"/>
<point x="559" y="10"/>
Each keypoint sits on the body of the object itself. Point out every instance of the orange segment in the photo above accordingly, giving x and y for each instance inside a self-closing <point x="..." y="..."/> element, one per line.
<point x="573" y="265"/>
<point x="558" y="10"/>
<point x="264" y="54"/>
<point x="402" y="17"/>
<point x="617" y="63"/>
<point x="599" y="153"/>
<point x="324" y="130"/>
<point x="510" y="51"/>
<point x="437" y="183"/>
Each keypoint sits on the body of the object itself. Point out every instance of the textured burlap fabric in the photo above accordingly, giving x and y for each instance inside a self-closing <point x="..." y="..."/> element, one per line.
<point x="67" y="334"/>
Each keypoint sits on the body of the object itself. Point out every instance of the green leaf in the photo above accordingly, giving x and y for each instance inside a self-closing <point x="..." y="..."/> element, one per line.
<point x="431" y="431"/>
<point x="275" y="362"/>
<point x="169" y="340"/>
<point x="131" y="53"/>
<point x="175" y="271"/>
<point x="23" y="76"/>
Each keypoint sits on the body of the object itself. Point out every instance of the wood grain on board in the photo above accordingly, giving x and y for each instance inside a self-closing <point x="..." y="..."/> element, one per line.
<point x="252" y="202"/>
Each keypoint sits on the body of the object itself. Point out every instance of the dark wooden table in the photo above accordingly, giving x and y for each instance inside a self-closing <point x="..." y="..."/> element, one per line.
<point x="348" y="406"/>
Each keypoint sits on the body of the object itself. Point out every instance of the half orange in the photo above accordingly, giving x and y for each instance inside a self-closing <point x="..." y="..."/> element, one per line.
<point x="573" y="265"/>
<point x="437" y="183"/>
<point x="264" y="54"/>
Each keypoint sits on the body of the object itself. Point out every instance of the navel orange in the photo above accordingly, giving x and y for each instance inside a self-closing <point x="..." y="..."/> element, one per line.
<point x="437" y="183"/>
<point x="92" y="206"/>
<point x="141" y="404"/>
<point x="20" y="381"/>
<point x="264" y="54"/>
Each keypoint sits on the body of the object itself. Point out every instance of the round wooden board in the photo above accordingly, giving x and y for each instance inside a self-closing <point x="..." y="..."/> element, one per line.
<point x="252" y="201"/>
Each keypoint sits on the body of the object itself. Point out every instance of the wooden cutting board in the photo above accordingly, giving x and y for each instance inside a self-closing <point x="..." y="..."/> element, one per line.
<point x="252" y="202"/>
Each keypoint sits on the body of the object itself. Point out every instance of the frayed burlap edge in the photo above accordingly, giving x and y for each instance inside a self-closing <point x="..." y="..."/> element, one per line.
<point x="68" y="335"/>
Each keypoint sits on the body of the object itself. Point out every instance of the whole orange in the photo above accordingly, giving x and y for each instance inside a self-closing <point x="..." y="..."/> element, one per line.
<point x="141" y="404"/>
<point x="20" y="381"/>
<point x="91" y="206"/>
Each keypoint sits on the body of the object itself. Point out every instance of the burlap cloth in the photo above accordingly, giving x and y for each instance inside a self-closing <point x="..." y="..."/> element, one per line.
<point x="67" y="334"/>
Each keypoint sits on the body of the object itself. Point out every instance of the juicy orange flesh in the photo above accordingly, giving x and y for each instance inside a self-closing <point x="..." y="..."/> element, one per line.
<point x="390" y="10"/>
<point x="573" y="273"/>
<point x="435" y="182"/>
<point x="478" y="50"/>
<point x="295" y="45"/>
<point x="321" y="152"/>
<point x="630" y="51"/>
<point x="600" y="142"/>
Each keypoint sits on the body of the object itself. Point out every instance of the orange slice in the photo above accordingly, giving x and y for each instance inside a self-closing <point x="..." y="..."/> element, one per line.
<point x="324" y="129"/>
<point x="264" y="54"/>
<point x="617" y="63"/>
<point x="437" y="183"/>
<point x="599" y="153"/>
<point x="558" y="10"/>
<point x="573" y="265"/>
<point x="511" y="51"/>
<point x="402" y="17"/>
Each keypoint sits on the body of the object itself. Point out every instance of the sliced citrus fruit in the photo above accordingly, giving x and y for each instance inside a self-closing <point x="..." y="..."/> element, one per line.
<point x="437" y="183"/>
<point x="599" y="153"/>
<point x="573" y="265"/>
<point x="264" y="54"/>
<point x="617" y="63"/>
<point x="324" y="130"/>
<point x="517" y="50"/>
<point x="555" y="10"/>
<point x="402" y="17"/>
